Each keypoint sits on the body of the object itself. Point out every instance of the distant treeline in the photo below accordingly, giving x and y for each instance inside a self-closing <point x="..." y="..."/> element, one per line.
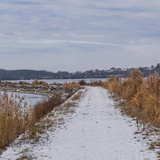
<point x="42" y="74"/>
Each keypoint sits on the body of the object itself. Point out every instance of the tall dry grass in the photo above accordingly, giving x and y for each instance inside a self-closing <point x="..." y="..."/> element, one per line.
<point x="43" y="108"/>
<point x="13" y="120"/>
<point x="72" y="85"/>
<point x="16" y="119"/>
<point x="37" y="82"/>
<point x="141" y="95"/>
<point x="113" y="84"/>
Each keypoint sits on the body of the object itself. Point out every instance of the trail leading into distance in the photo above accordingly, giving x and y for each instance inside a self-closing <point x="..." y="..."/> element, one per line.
<point x="96" y="131"/>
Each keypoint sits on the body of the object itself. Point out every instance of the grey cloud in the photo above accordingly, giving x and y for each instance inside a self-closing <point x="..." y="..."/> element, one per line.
<point x="70" y="30"/>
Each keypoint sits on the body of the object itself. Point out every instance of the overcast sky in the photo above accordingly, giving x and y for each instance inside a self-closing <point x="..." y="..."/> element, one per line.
<point x="78" y="35"/>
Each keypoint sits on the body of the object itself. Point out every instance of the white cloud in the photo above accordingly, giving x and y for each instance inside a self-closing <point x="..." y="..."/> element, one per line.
<point x="87" y="29"/>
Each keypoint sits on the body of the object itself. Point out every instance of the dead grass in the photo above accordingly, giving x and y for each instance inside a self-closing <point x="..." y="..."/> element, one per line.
<point x="69" y="104"/>
<point x="43" y="108"/>
<point x="71" y="86"/>
<point x="95" y="83"/>
<point x="16" y="119"/>
<point x="141" y="95"/>
<point x="76" y="96"/>
<point x="13" y="120"/>
<point x="36" y="83"/>
<point x="139" y="98"/>
<point x="51" y="118"/>
<point x="114" y="85"/>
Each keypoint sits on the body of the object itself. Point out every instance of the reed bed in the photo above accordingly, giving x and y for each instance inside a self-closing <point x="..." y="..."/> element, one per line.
<point x="13" y="119"/>
<point x="43" y="108"/>
<point x="16" y="117"/>
<point x="140" y="94"/>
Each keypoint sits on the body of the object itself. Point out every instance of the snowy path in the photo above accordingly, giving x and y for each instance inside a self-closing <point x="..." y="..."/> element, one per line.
<point x="96" y="131"/>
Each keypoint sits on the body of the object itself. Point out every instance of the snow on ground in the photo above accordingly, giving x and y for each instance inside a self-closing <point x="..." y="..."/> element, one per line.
<point x="95" y="131"/>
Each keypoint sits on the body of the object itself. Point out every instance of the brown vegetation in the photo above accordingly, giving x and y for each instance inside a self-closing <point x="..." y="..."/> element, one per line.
<point x="141" y="95"/>
<point x="13" y="120"/>
<point x="76" y="96"/>
<point x="17" y="118"/>
<point x="36" y="82"/>
<point x="71" y="86"/>
<point x="43" y="108"/>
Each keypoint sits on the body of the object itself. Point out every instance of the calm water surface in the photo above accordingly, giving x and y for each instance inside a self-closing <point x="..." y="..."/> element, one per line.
<point x="62" y="81"/>
<point x="32" y="99"/>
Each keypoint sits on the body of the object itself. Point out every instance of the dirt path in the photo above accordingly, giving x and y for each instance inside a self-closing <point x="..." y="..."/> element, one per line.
<point x="96" y="131"/>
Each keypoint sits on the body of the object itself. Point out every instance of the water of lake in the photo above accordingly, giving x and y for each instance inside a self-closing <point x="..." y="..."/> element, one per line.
<point x="62" y="81"/>
<point x="32" y="99"/>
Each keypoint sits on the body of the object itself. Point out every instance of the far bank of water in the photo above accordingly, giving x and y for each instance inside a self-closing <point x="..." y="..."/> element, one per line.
<point x="32" y="99"/>
<point x="61" y="81"/>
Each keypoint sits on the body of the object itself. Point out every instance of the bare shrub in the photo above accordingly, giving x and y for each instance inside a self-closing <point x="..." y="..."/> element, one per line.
<point x="82" y="82"/>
